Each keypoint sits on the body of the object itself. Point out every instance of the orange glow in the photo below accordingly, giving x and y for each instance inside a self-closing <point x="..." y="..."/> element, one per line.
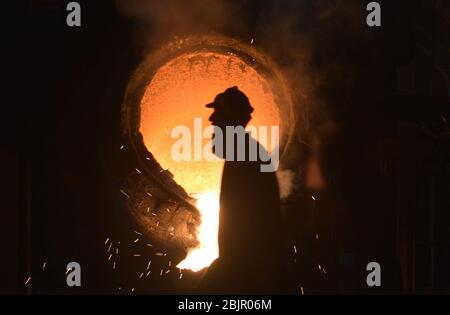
<point x="178" y="93"/>
<point x="208" y="250"/>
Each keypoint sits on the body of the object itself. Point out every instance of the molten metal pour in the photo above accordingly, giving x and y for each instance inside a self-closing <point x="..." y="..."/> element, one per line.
<point x="207" y="250"/>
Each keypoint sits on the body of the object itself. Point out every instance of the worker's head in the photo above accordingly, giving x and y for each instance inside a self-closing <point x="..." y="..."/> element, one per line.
<point x="231" y="108"/>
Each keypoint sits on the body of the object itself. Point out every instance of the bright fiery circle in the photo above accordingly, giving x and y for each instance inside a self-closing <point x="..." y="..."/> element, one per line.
<point x="172" y="87"/>
<point x="178" y="93"/>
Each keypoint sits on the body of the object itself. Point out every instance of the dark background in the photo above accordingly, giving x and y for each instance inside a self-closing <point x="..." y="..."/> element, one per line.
<point x="387" y="165"/>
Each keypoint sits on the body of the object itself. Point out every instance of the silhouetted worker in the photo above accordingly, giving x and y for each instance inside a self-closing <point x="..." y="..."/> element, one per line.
<point x="252" y="255"/>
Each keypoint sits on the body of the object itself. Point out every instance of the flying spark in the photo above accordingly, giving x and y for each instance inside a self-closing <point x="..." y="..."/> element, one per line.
<point x="123" y="192"/>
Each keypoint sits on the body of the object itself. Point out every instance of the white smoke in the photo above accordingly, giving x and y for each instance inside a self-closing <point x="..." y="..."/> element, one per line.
<point x="286" y="182"/>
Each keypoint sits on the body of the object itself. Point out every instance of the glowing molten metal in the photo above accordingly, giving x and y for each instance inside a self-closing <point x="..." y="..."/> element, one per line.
<point x="202" y="256"/>
<point x="176" y="95"/>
